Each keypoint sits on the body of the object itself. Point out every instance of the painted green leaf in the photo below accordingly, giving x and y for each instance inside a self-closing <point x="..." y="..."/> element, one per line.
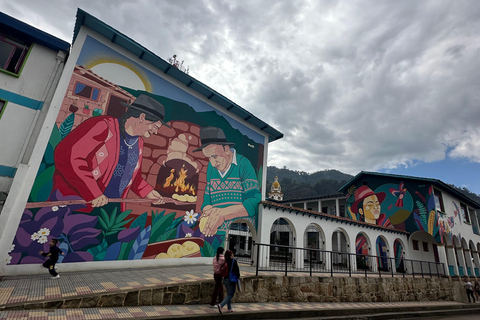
<point x="161" y="226"/>
<point x="175" y="223"/>
<point x="99" y="251"/>
<point x="105" y="218"/>
<point x="43" y="185"/>
<point x="207" y="250"/>
<point x="123" y="215"/>
<point x="66" y="125"/>
<point x="124" y="250"/>
<point x="140" y="221"/>
<point x="55" y="137"/>
<point x="48" y="156"/>
<point x="169" y="235"/>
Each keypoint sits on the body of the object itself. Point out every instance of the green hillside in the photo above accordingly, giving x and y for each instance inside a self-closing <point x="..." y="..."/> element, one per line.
<point x="300" y="184"/>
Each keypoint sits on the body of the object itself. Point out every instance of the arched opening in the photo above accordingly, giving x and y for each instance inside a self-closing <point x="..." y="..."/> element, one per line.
<point x="475" y="261"/>
<point x="282" y="233"/>
<point x="362" y="250"/>
<point x="382" y="253"/>
<point x="459" y="258"/>
<point x="467" y="258"/>
<point x="399" y="255"/>
<point x="282" y="236"/>
<point x="240" y="236"/>
<point x="314" y="238"/>
<point x="340" y="248"/>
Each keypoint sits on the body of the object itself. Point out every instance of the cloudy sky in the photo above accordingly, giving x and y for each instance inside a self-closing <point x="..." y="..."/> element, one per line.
<point x="387" y="86"/>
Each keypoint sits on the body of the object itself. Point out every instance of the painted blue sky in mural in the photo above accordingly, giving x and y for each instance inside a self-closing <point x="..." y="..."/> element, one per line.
<point x="391" y="89"/>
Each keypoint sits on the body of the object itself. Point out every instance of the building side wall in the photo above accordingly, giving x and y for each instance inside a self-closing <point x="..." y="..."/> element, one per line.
<point x="144" y="234"/>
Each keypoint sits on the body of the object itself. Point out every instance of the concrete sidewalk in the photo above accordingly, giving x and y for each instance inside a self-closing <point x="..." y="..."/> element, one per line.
<point x="37" y="297"/>
<point x="345" y="310"/>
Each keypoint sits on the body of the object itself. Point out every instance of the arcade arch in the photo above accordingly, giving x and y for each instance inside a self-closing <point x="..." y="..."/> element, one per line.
<point x="459" y="257"/>
<point x="381" y="246"/>
<point x="241" y="233"/>
<point x="314" y="238"/>
<point x="475" y="260"/>
<point x="282" y="233"/>
<point x="340" y="245"/>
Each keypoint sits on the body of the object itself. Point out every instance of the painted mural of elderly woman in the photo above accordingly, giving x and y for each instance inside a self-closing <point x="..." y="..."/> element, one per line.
<point x="368" y="204"/>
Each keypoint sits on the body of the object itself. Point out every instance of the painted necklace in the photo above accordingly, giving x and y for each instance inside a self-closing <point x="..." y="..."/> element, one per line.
<point x="130" y="146"/>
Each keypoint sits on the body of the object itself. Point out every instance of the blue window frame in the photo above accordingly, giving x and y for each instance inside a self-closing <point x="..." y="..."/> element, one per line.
<point x="85" y="91"/>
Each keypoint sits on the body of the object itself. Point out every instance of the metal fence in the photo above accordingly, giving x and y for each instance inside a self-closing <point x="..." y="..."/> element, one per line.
<point x="286" y="259"/>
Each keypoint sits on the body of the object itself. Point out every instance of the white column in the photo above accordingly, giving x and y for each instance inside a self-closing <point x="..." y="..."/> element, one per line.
<point x="442" y="256"/>
<point x="337" y="207"/>
<point x="468" y="262"/>
<point x="452" y="262"/>
<point x="305" y="205"/>
<point x="319" y="205"/>
<point x="298" y="254"/>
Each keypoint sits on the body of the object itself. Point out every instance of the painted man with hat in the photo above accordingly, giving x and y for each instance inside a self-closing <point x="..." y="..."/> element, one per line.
<point x="232" y="189"/>
<point x="101" y="158"/>
<point x="368" y="204"/>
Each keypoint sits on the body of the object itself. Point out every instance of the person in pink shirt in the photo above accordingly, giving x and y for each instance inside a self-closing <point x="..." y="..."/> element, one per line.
<point x="218" y="262"/>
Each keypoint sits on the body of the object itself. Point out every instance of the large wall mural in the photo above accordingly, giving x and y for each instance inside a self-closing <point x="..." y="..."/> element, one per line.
<point x="137" y="168"/>
<point x="404" y="206"/>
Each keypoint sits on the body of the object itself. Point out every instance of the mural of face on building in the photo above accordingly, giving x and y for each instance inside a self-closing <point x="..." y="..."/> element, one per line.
<point x="220" y="157"/>
<point x="120" y="178"/>
<point x="232" y="189"/>
<point x="371" y="209"/>
<point x="368" y="204"/>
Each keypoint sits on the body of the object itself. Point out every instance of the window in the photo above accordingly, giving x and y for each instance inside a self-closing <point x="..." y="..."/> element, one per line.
<point x="438" y="200"/>
<point x="464" y="212"/>
<point x="415" y="244"/>
<point x="425" y="246"/>
<point x="13" y="52"/>
<point x="342" y="211"/>
<point x="3" y="104"/>
<point x="83" y="90"/>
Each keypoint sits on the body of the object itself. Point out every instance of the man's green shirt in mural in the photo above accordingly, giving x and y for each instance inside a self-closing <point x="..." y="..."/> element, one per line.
<point x="238" y="185"/>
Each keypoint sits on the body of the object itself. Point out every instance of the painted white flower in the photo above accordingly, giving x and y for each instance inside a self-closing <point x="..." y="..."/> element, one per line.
<point x="44" y="232"/>
<point x="8" y="259"/>
<point x="188" y="235"/>
<point x="54" y="208"/>
<point x="43" y="239"/>
<point x="190" y="217"/>
<point x="35" y="236"/>
<point x="12" y="247"/>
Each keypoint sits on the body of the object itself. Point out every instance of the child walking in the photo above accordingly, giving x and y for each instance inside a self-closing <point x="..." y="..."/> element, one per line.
<point x="52" y="258"/>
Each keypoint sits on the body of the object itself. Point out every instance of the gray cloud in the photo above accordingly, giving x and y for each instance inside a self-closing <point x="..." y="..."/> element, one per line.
<point x="353" y="85"/>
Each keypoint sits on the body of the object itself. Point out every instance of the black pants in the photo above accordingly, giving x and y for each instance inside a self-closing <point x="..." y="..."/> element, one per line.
<point x="470" y="293"/>
<point x="217" y="291"/>
<point x="50" y="265"/>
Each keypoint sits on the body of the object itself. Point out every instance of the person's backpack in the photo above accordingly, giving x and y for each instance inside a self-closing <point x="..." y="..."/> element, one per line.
<point x="224" y="270"/>
<point x="232" y="276"/>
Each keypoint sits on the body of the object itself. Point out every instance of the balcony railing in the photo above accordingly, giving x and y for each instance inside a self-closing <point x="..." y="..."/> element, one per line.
<point x="285" y="259"/>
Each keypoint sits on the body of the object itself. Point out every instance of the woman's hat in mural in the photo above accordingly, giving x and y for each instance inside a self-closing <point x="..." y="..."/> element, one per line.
<point x="212" y="135"/>
<point x="148" y="105"/>
<point x="365" y="192"/>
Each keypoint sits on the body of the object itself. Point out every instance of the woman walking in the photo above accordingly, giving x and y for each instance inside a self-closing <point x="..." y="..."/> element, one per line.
<point x="218" y="262"/>
<point x="230" y="281"/>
